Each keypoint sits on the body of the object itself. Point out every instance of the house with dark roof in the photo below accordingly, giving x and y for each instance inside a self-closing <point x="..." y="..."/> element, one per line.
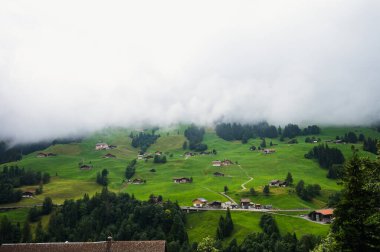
<point x="27" y="194"/>
<point x="182" y="180"/>
<point x="109" y="155"/>
<point x="215" y="204"/>
<point x="102" y="246"/>
<point x="85" y="167"/>
<point x="218" y="174"/>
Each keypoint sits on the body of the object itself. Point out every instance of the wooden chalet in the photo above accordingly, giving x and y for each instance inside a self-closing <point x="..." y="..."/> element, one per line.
<point x="27" y="194"/>
<point x="215" y="204"/>
<point x="218" y="174"/>
<point x="274" y="182"/>
<point x="42" y="155"/>
<point x="85" y="167"/>
<point x="102" y="246"/>
<point x="230" y="205"/>
<point x="109" y="155"/>
<point x="181" y="180"/>
<point x="199" y="202"/>
<point x="245" y="203"/>
<point x="277" y="182"/>
<point x="216" y="163"/>
<point x="269" y="151"/>
<point x="322" y="215"/>
<point x="138" y="181"/>
<point x="226" y="162"/>
<point x="101" y="146"/>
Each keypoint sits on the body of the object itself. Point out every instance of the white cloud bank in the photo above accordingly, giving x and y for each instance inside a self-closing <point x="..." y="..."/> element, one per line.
<point x="74" y="66"/>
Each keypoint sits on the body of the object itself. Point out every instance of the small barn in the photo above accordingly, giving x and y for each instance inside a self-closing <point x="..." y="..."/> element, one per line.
<point x="269" y="151"/>
<point x="85" y="167"/>
<point x="274" y="182"/>
<point x="218" y="174"/>
<point x="42" y="155"/>
<point x="27" y="194"/>
<point x="109" y="155"/>
<point x="138" y="181"/>
<point x="181" y="180"/>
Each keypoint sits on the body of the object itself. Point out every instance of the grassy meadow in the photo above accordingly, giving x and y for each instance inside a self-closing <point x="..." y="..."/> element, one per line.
<point x="68" y="181"/>
<point x="199" y="223"/>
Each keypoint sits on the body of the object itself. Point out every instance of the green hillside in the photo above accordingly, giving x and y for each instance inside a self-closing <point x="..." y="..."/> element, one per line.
<point x="68" y="181"/>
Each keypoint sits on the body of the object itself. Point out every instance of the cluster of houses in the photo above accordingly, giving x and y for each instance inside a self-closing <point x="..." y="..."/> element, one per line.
<point x="322" y="215"/>
<point x="277" y="182"/>
<point x="104" y="146"/>
<point x="218" y="163"/>
<point x="245" y="203"/>
<point x="202" y="202"/>
<point x="42" y="155"/>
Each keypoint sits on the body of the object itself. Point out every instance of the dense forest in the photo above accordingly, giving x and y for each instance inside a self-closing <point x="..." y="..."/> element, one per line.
<point x="107" y="213"/>
<point x="236" y="131"/>
<point x="13" y="177"/>
<point x="195" y="135"/>
<point x="329" y="158"/>
<point x="143" y="140"/>
<point x="13" y="153"/>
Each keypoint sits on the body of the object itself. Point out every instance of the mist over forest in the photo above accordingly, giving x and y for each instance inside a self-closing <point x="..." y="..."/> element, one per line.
<point x="63" y="73"/>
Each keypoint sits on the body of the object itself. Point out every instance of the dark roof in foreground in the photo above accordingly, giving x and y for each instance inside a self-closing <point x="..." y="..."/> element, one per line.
<point x="114" y="246"/>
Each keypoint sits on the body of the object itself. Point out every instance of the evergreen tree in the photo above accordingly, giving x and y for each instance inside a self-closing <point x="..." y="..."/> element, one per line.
<point x="40" y="234"/>
<point x="225" y="189"/>
<point x="229" y="225"/>
<point x="184" y="145"/>
<point x="289" y="179"/>
<point x="26" y="233"/>
<point x="252" y="191"/>
<point x="47" y="205"/>
<point x="266" y="189"/>
<point x="263" y="144"/>
<point x="357" y="221"/>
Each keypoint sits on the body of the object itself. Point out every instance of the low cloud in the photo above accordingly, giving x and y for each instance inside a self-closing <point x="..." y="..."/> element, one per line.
<point x="77" y="66"/>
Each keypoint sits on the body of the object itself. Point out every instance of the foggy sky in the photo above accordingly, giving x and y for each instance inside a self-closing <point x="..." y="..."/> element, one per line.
<point x="68" y="67"/>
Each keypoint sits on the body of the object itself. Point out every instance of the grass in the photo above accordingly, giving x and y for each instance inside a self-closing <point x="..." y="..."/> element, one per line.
<point x="202" y="224"/>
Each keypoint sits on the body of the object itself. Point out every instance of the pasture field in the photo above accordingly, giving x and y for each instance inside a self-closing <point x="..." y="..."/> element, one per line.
<point x="202" y="224"/>
<point x="68" y="181"/>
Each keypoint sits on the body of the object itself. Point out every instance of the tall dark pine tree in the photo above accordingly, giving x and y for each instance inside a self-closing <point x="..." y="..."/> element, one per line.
<point x="357" y="221"/>
<point x="289" y="179"/>
<point x="229" y="225"/>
